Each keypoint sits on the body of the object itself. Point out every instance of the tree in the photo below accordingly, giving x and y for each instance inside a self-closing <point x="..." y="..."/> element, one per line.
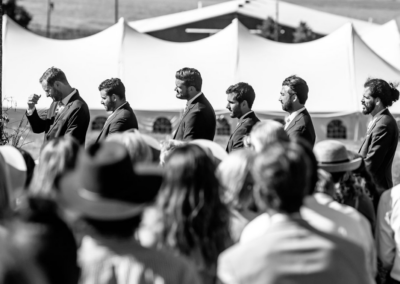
<point x="16" y="12"/>
<point x="269" y="29"/>
<point x="303" y="33"/>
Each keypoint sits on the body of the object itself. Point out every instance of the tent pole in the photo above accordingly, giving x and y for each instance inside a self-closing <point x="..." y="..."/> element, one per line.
<point x="116" y="11"/>
<point x="277" y="21"/>
<point x="1" y="73"/>
<point x="49" y="7"/>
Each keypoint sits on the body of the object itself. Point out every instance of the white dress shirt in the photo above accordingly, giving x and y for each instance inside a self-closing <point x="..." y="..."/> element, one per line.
<point x="293" y="116"/>
<point x="387" y="231"/>
<point x="326" y="215"/>
<point x="60" y="108"/>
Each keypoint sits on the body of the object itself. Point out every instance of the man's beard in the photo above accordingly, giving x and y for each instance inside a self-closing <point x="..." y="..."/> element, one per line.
<point x="368" y="109"/>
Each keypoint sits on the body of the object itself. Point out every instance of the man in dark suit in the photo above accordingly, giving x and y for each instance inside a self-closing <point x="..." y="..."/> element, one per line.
<point x="198" y="120"/>
<point x="240" y="100"/>
<point x="112" y="93"/>
<point x="379" y="146"/>
<point x="290" y="250"/>
<point x="294" y="95"/>
<point x="68" y="113"/>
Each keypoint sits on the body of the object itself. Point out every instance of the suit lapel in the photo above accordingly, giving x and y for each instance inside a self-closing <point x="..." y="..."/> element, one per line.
<point x="60" y="115"/>
<point x="184" y="114"/>
<point x="293" y="122"/>
<point x="372" y="127"/>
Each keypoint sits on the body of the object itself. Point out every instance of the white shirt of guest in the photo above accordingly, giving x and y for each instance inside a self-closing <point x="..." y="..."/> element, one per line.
<point x="375" y="116"/>
<point x="326" y="215"/>
<point x="293" y="116"/>
<point x="63" y="101"/>
<point x="387" y="231"/>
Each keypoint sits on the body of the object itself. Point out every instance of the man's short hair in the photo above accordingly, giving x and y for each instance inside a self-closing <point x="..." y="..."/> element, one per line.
<point x="387" y="92"/>
<point x="113" y="86"/>
<point x="282" y="176"/>
<point x="190" y="77"/>
<point x="297" y="87"/>
<point x="53" y="74"/>
<point x="267" y="132"/>
<point x="243" y="92"/>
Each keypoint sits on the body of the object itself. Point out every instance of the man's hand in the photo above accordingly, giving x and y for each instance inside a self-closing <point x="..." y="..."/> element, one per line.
<point x="32" y="101"/>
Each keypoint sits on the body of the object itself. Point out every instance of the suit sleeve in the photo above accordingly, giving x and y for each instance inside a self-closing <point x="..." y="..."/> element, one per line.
<point x="38" y="124"/>
<point x="378" y="148"/>
<point x="78" y="123"/>
<point x="194" y="126"/>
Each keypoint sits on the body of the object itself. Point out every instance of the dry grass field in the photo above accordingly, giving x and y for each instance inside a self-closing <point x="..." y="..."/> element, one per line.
<point x="33" y="142"/>
<point x="95" y="15"/>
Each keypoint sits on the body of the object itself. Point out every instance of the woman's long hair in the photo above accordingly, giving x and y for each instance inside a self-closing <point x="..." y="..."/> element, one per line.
<point x="56" y="158"/>
<point x="195" y="219"/>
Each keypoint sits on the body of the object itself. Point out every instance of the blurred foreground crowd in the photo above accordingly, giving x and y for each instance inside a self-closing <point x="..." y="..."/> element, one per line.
<point x="128" y="210"/>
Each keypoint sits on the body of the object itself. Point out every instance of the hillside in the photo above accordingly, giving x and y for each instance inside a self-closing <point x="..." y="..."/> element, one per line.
<point x="95" y="15"/>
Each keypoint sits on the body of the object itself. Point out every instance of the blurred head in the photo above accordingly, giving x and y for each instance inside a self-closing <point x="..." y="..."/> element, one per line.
<point x="282" y="178"/>
<point x="112" y="93"/>
<point x="137" y="148"/>
<point x="240" y="99"/>
<point x="294" y="93"/>
<point x="57" y="157"/>
<point x="30" y="166"/>
<point x="378" y="94"/>
<point x="266" y="132"/>
<point x="188" y="83"/>
<point x="54" y="83"/>
<point x="194" y="217"/>
<point x="44" y="237"/>
<point x="236" y="179"/>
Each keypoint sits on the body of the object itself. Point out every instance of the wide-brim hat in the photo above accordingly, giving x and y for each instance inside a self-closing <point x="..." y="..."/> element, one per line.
<point x="105" y="185"/>
<point x="333" y="157"/>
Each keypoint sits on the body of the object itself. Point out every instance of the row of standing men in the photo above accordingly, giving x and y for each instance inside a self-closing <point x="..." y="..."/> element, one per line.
<point x="69" y="114"/>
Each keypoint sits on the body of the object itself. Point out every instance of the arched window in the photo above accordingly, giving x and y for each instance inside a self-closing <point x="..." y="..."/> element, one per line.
<point x="98" y="122"/>
<point x="162" y="125"/>
<point x="336" y="130"/>
<point x="223" y="126"/>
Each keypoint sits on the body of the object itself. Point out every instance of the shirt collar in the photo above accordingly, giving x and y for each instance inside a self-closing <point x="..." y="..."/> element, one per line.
<point x="66" y="99"/>
<point x="120" y="106"/>
<point x="376" y="115"/>
<point x="246" y="114"/>
<point x="195" y="97"/>
<point x="294" y="114"/>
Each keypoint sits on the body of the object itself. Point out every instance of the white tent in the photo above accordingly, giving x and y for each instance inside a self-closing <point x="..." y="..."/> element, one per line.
<point x="335" y="68"/>
<point x="385" y="41"/>
<point x="289" y="15"/>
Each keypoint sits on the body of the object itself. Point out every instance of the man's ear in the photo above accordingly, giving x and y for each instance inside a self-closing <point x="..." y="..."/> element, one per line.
<point x="244" y="104"/>
<point x="114" y="97"/>
<point x="377" y="101"/>
<point x="295" y="98"/>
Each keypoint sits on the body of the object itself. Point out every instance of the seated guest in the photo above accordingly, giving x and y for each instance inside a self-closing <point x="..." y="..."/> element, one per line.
<point x="237" y="183"/>
<point x="291" y="250"/>
<point x="265" y="133"/>
<point x="136" y="146"/>
<point x="5" y="188"/>
<point x="45" y="238"/>
<point x="109" y="207"/>
<point x="326" y="215"/>
<point x="112" y="94"/>
<point x="57" y="157"/>
<point x="240" y="99"/>
<point x="154" y="144"/>
<point x="387" y="233"/>
<point x="190" y="216"/>
<point x="334" y="158"/>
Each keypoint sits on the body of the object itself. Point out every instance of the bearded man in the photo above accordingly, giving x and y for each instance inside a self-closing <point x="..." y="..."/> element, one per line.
<point x="379" y="146"/>
<point x="294" y="95"/>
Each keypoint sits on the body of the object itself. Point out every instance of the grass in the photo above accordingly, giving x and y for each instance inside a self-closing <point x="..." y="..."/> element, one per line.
<point x="33" y="142"/>
<point x="95" y="15"/>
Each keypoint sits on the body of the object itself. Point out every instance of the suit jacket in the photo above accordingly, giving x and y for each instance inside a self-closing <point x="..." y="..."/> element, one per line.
<point x="123" y="119"/>
<point x="244" y="127"/>
<point x="73" y="120"/>
<point x="379" y="148"/>
<point x="198" y="121"/>
<point x="302" y="126"/>
<point x="292" y="251"/>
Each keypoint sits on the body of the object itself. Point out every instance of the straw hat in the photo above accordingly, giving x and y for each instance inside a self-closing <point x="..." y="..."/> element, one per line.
<point x="332" y="156"/>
